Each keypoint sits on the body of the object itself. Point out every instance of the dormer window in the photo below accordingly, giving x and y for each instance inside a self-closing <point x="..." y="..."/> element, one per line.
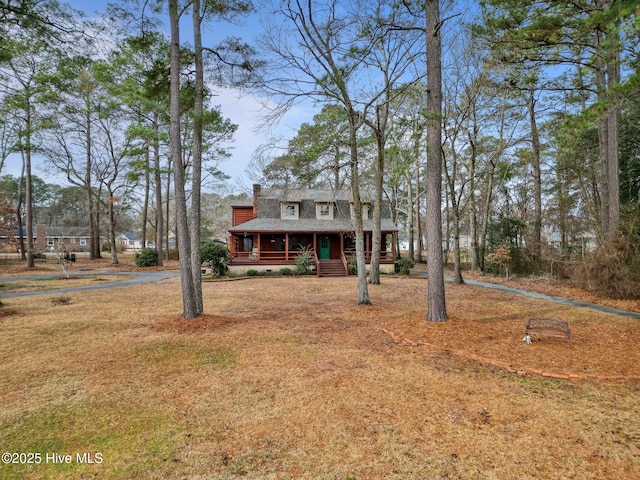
<point x="290" y="211"/>
<point x="366" y="208"/>
<point x="324" y="211"/>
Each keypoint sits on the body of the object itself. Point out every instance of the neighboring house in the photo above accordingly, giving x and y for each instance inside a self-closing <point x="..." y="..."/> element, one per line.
<point x="74" y="239"/>
<point x="270" y="231"/>
<point x="129" y="242"/>
<point x="47" y="239"/>
<point x="577" y="244"/>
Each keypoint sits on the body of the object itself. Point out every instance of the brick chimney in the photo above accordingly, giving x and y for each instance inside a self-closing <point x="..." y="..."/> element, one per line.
<point x="41" y="237"/>
<point x="257" y="190"/>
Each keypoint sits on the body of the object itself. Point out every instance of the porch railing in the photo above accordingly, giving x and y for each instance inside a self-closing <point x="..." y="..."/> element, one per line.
<point x="385" y="257"/>
<point x="315" y="259"/>
<point x="281" y="256"/>
<point x="266" y="256"/>
<point x="345" y="263"/>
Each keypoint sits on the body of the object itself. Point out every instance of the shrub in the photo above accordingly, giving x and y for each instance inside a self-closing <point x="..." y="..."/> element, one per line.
<point x="501" y="258"/>
<point x="403" y="266"/>
<point x="147" y="257"/>
<point x="612" y="270"/>
<point x="215" y="256"/>
<point x="304" y="260"/>
<point x="286" y="271"/>
<point x="252" y="273"/>
<point x="353" y="266"/>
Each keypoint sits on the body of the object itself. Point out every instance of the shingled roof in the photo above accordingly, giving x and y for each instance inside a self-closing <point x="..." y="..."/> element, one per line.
<point x="278" y="225"/>
<point x="318" y="195"/>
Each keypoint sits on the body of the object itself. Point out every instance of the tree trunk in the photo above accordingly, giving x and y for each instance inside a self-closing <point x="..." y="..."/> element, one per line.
<point x="410" y="217"/>
<point x="603" y="140"/>
<point x="473" y="217"/>
<point x="147" y="188"/>
<point x="376" y="246"/>
<point x="394" y="217"/>
<point x="447" y="222"/>
<point x="94" y="229"/>
<point x="613" y="121"/>
<point x="484" y="226"/>
<point x="158" y="186"/>
<point x="606" y="76"/>
<point x="168" y="211"/>
<point x="93" y="235"/>
<point x="196" y="262"/>
<point x="437" y="310"/>
<point x="189" y="306"/>
<point x="361" y="261"/>
<point x="112" y="227"/>
<point x="418" y="218"/>
<point x="23" y="253"/>
<point x="457" y="270"/>
<point x="453" y="214"/>
<point x="537" y="179"/>
<point x="29" y="189"/>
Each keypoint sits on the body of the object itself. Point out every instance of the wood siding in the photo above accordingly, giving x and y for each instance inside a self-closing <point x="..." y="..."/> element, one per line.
<point x="336" y="251"/>
<point x="242" y="214"/>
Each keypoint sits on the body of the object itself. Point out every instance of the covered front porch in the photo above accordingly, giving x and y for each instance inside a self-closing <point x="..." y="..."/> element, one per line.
<point x="269" y="250"/>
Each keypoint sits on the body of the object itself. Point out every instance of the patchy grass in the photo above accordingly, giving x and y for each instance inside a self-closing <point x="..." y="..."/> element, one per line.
<point x="167" y="355"/>
<point x="93" y="434"/>
<point x="287" y="378"/>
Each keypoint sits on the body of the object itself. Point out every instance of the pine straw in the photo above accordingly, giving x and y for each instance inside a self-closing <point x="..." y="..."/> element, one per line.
<point x="287" y="378"/>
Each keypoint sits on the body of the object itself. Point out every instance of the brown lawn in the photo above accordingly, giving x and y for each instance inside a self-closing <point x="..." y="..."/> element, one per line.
<point x="54" y="282"/>
<point x="287" y="378"/>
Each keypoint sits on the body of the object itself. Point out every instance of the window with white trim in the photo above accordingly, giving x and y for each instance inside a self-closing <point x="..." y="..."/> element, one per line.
<point x="290" y="211"/>
<point x="366" y="208"/>
<point x="324" y="211"/>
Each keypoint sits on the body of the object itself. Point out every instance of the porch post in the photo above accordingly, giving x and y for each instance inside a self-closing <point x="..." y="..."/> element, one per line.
<point x="286" y="246"/>
<point x="367" y="247"/>
<point x="259" y="246"/>
<point x="393" y="247"/>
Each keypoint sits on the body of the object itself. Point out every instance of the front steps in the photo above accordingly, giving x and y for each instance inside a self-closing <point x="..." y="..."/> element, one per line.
<point x="331" y="268"/>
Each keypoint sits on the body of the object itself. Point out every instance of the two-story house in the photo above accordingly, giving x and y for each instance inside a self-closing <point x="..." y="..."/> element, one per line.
<point x="270" y="231"/>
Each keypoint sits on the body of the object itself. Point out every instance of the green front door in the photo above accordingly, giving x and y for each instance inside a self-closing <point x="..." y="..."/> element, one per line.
<point x="325" y="248"/>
